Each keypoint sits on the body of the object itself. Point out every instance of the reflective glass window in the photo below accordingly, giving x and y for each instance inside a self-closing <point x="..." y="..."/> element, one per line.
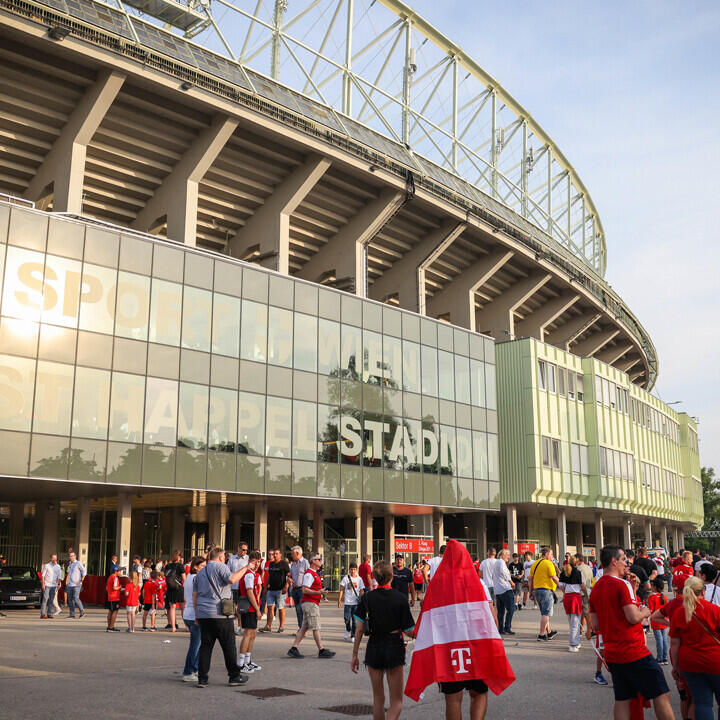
<point x="305" y="344"/>
<point x="253" y="333"/>
<point x="277" y="427"/>
<point x="222" y="419"/>
<point x="165" y="312"/>
<point x="327" y="433"/>
<point x="448" y="457"/>
<point x="493" y="463"/>
<point x="373" y="439"/>
<point x="462" y="379"/>
<point x="62" y="284"/>
<point x="196" y="323"/>
<point x="351" y="356"/>
<point x="446" y="374"/>
<point x="477" y="383"/>
<point x="91" y="404"/>
<point x="351" y="438"/>
<point x="304" y="430"/>
<point x="280" y="332"/>
<point x="392" y="362"/>
<point x="53" y="398"/>
<point x="393" y="443"/>
<point x="161" y="412"/>
<point x="490" y="388"/>
<point x="97" y="299"/>
<point x="412" y="445"/>
<point x="429" y="371"/>
<point x="328" y="347"/>
<point x="132" y="306"/>
<point x="127" y="397"/>
<point x="372" y="357"/>
<point x="17" y="380"/>
<point x="226" y="325"/>
<point x="411" y="366"/>
<point x="464" y="453"/>
<point x="480" y="455"/>
<point x="430" y="448"/>
<point x="251" y="424"/>
<point x="23" y="287"/>
<point x="193" y="416"/>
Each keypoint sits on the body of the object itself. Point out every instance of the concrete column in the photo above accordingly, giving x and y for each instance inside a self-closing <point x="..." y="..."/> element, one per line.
<point x="260" y="536"/>
<point x="593" y="343"/>
<point x="681" y="539"/>
<point x="561" y="535"/>
<point x="567" y="332"/>
<point x="664" y="537"/>
<point x="599" y="534"/>
<point x="438" y="530"/>
<point x="82" y="530"/>
<point x="217" y="520"/>
<point x="49" y="516"/>
<point x="365" y="535"/>
<point x="234" y="524"/>
<point x="579" y="536"/>
<point x="676" y="538"/>
<point x="512" y="531"/>
<point x="17" y="524"/>
<point x="318" y="531"/>
<point x="389" y="537"/>
<point x="627" y="534"/>
<point x="534" y="324"/>
<point x="123" y="530"/>
<point x="648" y="534"/>
<point x="177" y="538"/>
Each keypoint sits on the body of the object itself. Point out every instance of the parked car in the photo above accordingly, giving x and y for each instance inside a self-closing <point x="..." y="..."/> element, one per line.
<point x="19" y="586"/>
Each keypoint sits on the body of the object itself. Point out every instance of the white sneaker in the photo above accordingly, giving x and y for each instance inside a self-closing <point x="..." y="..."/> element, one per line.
<point x="574" y="648"/>
<point x="252" y="667"/>
<point x="245" y="669"/>
<point x="190" y="678"/>
<point x="347" y="635"/>
<point x="238" y="631"/>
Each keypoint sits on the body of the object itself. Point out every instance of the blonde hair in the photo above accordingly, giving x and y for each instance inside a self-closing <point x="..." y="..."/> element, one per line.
<point x="694" y="588"/>
<point x="569" y="565"/>
<point x="687" y="556"/>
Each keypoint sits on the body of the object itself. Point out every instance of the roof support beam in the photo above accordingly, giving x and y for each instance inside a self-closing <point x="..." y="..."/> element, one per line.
<point x="343" y="253"/>
<point x="631" y="362"/>
<point x="269" y="227"/>
<point x="64" y="165"/>
<point x="534" y="324"/>
<point x="590" y="345"/>
<point x="406" y="276"/>
<point x="497" y="318"/>
<point x="565" y="334"/>
<point x="613" y="354"/>
<point x="457" y="299"/>
<point x="177" y="197"/>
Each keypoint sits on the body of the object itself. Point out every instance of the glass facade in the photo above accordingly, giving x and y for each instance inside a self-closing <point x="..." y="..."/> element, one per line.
<point x="171" y="368"/>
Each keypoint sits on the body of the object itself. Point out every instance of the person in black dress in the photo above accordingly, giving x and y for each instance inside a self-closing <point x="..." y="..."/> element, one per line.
<point x="175" y="577"/>
<point x="386" y="612"/>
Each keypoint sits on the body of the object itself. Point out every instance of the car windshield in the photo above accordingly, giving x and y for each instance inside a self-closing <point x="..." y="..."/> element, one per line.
<point x="17" y="573"/>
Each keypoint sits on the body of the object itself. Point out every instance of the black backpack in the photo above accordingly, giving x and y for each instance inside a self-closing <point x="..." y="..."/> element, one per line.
<point x="173" y="579"/>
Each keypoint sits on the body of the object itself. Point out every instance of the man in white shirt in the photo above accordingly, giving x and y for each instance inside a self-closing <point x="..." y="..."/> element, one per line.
<point x="50" y="576"/>
<point x="433" y="564"/>
<point x="75" y="574"/>
<point x="504" y="591"/>
<point x="235" y="563"/>
<point x="487" y="571"/>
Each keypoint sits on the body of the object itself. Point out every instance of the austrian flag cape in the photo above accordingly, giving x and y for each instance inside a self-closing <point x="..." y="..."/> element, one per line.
<point x="455" y="636"/>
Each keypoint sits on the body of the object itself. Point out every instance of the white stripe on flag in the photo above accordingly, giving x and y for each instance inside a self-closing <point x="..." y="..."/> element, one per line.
<point x="455" y="623"/>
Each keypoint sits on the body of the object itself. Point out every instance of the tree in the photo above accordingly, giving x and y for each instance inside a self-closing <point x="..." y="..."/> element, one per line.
<point x="711" y="498"/>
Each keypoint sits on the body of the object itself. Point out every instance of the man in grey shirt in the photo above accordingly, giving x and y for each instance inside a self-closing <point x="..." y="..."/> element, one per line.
<point x="213" y="584"/>
<point x="73" y="584"/>
<point x="298" y="566"/>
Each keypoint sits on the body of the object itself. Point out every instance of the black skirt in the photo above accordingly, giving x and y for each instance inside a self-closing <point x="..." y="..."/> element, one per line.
<point x="174" y="596"/>
<point x="385" y="653"/>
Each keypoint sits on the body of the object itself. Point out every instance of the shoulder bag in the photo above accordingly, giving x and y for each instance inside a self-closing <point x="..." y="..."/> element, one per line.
<point x="706" y="629"/>
<point x="227" y="606"/>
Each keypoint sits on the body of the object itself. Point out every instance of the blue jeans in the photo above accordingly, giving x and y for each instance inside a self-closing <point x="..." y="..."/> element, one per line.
<point x="544" y="600"/>
<point x="191" y="659"/>
<point x="73" y="599"/>
<point x="296" y="594"/>
<point x="505" y="609"/>
<point x="703" y="686"/>
<point x="662" y="643"/>
<point x="348" y="615"/>
<point x="47" y="599"/>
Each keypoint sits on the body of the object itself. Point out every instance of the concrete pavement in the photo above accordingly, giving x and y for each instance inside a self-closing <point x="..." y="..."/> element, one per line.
<point x="73" y="668"/>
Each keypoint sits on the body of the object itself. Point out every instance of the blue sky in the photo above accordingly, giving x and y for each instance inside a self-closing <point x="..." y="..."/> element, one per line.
<point x="631" y="93"/>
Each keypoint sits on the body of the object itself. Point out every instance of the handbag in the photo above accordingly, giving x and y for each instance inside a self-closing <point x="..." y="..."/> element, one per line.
<point x="227" y="606"/>
<point x="243" y="604"/>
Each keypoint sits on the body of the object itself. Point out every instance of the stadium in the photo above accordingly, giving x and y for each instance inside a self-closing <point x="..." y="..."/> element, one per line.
<point x="277" y="269"/>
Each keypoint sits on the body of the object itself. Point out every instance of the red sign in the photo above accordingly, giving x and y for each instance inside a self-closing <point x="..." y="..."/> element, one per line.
<point x="414" y="545"/>
<point x="524" y="547"/>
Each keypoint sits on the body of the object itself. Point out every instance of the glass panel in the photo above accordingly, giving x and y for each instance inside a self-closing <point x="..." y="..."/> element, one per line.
<point x="305" y="345"/>
<point x="226" y="325"/>
<point x="133" y="306"/>
<point x="546" y="452"/>
<point x="165" y="312"/>
<point x="412" y="445"/>
<point x="393" y="362"/>
<point x="193" y="416"/>
<point x="126" y="407"/>
<point x="480" y="456"/>
<point x="251" y="424"/>
<point x="411" y="366"/>
<point x="446" y="371"/>
<point x="161" y="412"/>
<point x="62" y="284"/>
<point x="17" y="380"/>
<point x="222" y="421"/>
<point x="372" y="357"/>
<point x="464" y="453"/>
<point x="196" y="325"/>
<point x="477" y="383"/>
<point x="462" y="379"/>
<point x="53" y="398"/>
<point x="351" y="444"/>
<point x="277" y="424"/>
<point x="253" y="335"/>
<point x="304" y="430"/>
<point x="575" y="457"/>
<point x="351" y="352"/>
<point x="91" y="404"/>
<point x="493" y="465"/>
<point x="328" y="347"/>
<point x="97" y="299"/>
<point x="490" y="389"/>
<point x="429" y="372"/>
<point x="431" y="448"/>
<point x="448" y="458"/>
<point x="23" y="287"/>
<point x="327" y="437"/>
<point x="280" y="331"/>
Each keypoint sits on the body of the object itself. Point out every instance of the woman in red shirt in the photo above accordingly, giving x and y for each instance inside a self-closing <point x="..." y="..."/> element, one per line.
<point x="695" y="647"/>
<point x="682" y="571"/>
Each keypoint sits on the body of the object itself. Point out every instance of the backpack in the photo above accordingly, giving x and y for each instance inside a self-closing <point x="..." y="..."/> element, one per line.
<point x="173" y="580"/>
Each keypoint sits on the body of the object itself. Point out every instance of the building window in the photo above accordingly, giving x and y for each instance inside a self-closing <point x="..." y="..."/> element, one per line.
<point x="551" y="377"/>
<point x="571" y="385"/>
<point x="580" y="387"/>
<point x="603" y="461"/>
<point x="546" y="452"/>
<point x="542" y="374"/>
<point x="556" y="454"/>
<point x="599" y="390"/>
<point x="561" y="381"/>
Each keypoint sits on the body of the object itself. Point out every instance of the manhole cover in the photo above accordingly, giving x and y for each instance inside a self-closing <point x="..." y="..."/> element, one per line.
<point x="356" y="709"/>
<point x="271" y="692"/>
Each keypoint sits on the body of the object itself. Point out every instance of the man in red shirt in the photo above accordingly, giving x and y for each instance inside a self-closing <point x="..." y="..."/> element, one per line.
<point x="365" y="572"/>
<point x="615" y="613"/>
<point x="113" y="599"/>
<point x="682" y="571"/>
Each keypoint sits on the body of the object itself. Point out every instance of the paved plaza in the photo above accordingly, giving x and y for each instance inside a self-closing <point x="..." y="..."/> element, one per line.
<point x="74" y="668"/>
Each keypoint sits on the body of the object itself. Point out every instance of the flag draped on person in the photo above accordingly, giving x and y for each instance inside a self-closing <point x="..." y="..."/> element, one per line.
<point x="456" y="637"/>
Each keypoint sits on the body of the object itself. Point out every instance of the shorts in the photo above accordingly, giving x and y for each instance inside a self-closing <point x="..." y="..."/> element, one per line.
<point x="248" y="620"/>
<point x="418" y="587"/>
<point x="311" y="616"/>
<point x="235" y="596"/>
<point x="147" y="607"/>
<point x="113" y="605"/>
<point x="643" y="676"/>
<point x="131" y="608"/>
<point x="385" y="653"/>
<point x="544" y="600"/>
<point x="450" y="688"/>
<point x="276" y="598"/>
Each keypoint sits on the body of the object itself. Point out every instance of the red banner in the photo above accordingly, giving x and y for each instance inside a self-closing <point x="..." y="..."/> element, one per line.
<point x="414" y="545"/>
<point x="524" y="547"/>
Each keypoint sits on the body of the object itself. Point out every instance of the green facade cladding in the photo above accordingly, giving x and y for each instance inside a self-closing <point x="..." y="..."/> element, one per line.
<point x="575" y="432"/>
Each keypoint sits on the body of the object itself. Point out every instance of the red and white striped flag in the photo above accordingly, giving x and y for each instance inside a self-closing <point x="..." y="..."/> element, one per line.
<point x="456" y="637"/>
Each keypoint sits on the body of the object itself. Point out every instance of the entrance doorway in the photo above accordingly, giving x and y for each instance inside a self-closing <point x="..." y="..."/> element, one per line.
<point x="196" y="539"/>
